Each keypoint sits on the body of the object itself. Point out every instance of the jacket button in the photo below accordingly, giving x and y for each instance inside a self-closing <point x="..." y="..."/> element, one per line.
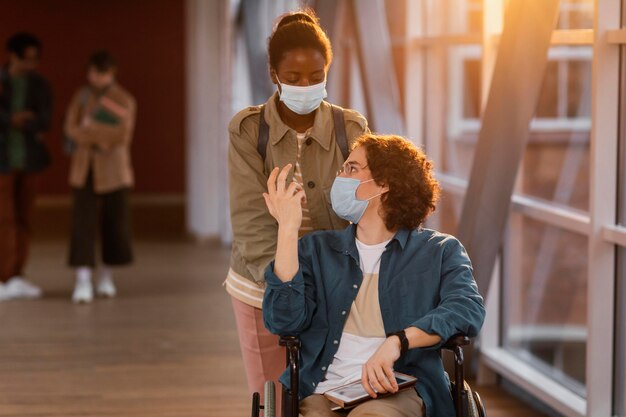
<point x="355" y="286"/>
<point x="310" y="184"/>
<point x="308" y="142"/>
<point x="336" y="342"/>
<point x="343" y="313"/>
<point x="323" y="368"/>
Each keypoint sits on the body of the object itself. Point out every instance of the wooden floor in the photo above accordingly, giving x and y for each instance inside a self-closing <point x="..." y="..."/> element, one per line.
<point x="165" y="347"/>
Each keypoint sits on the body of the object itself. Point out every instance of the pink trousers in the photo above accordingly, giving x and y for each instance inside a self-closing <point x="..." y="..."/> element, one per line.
<point x="263" y="358"/>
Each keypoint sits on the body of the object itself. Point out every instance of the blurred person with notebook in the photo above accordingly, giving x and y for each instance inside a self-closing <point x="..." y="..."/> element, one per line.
<point x="99" y="127"/>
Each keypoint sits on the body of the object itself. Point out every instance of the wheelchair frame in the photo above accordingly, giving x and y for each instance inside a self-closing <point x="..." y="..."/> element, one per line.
<point x="291" y="403"/>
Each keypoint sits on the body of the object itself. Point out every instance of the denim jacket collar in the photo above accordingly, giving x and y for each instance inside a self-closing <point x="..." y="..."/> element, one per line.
<point x="347" y="241"/>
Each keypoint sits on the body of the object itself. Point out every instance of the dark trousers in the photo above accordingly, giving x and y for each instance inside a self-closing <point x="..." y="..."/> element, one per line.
<point x="17" y="197"/>
<point x="112" y="213"/>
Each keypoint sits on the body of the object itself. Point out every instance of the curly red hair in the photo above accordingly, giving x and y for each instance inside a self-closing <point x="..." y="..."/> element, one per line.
<point x="397" y="163"/>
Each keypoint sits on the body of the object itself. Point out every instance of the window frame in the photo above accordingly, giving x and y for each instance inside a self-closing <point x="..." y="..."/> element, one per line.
<point x="598" y="225"/>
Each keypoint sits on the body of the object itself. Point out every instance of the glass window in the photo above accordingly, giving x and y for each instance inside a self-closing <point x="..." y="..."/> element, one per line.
<point x="576" y="14"/>
<point x="452" y="82"/>
<point x="454" y="17"/>
<point x="545" y="293"/>
<point x="555" y="166"/>
<point x="452" y="100"/>
<point x="545" y="267"/>
<point x="455" y="106"/>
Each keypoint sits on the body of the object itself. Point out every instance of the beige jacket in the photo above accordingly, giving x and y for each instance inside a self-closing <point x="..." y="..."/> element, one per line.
<point x="103" y="147"/>
<point x="254" y="229"/>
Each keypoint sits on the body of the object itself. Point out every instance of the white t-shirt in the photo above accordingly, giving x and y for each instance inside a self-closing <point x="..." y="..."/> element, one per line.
<point x="364" y="331"/>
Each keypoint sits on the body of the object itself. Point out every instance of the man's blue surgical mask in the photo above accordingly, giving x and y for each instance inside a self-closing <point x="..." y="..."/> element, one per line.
<point x="344" y="201"/>
<point x="302" y="100"/>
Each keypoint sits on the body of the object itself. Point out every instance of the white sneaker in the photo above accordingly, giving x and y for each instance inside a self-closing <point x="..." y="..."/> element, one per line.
<point x="4" y="293"/>
<point x="83" y="292"/>
<point x="106" y="287"/>
<point x="18" y="287"/>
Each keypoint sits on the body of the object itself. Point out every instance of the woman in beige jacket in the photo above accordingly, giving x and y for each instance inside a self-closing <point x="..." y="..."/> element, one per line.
<point x="295" y="126"/>
<point x="99" y="127"/>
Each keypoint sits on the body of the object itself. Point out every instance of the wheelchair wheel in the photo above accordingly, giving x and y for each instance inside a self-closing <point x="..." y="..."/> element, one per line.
<point x="479" y="404"/>
<point x="269" y="406"/>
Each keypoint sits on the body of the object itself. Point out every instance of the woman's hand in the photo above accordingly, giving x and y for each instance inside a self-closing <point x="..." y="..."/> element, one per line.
<point x="285" y="205"/>
<point x="377" y="375"/>
<point x="284" y="202"/>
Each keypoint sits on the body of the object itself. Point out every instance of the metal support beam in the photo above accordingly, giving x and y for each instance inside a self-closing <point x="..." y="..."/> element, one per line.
<point x="377" y="68"/>
<point x="513" y="96"/>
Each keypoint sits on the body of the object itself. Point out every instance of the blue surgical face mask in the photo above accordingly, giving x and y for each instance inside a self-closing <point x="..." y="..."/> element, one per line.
<point x="302" y="100"/>
<point x="344" y="201"/>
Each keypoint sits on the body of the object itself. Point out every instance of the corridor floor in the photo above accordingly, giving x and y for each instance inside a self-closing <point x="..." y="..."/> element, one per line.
<point x="166" y="346"/>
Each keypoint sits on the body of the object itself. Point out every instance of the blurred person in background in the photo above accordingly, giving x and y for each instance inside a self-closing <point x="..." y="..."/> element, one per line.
<point x="99" y="127"/>
<point x="25" y="113"/>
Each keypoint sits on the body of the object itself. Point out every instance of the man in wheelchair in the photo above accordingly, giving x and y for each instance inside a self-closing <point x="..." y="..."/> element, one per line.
<point x="382" y="295"/>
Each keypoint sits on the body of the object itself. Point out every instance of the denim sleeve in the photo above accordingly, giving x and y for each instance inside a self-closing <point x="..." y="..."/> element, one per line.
<point x="288" y="306"/>
<point x="460" y="308"/>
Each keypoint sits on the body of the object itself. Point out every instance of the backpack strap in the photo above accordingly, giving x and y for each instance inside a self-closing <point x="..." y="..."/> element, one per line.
<point x="340" y="131"/>
<point x="264" y="134"/>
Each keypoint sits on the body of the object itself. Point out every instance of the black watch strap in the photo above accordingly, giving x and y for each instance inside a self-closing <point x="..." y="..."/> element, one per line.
<point x="404" y="341"/>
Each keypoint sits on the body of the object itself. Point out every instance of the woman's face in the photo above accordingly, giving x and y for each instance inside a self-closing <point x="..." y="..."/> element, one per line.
<point x="356" y="167"/>
<point x="100" y="80"/>
<point x="300" y="67"/>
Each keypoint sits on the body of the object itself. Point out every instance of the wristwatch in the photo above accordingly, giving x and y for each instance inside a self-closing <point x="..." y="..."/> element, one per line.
<point x="404" y="341"/>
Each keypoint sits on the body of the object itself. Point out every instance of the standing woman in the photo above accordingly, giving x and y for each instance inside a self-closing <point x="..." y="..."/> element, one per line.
<point x="297" y="127"/>
<point x="99" y="125"/>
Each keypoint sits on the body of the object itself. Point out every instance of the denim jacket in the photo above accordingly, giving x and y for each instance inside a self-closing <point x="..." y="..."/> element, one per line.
<point x="425" y="281"/>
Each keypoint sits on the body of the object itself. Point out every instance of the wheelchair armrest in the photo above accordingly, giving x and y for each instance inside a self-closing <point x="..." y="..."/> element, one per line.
<point x="455" y="344"/>
<point x="456" y="341"/>
<point x="290" y="395"/>
<point x="289" y="341"/>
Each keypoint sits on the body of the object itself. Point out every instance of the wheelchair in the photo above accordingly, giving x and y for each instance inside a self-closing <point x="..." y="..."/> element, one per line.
<point x="467" y="403"/>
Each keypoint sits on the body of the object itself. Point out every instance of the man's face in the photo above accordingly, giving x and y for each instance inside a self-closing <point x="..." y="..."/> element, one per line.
<point x="100" y="80"/>
<point x="28" y="63"/>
